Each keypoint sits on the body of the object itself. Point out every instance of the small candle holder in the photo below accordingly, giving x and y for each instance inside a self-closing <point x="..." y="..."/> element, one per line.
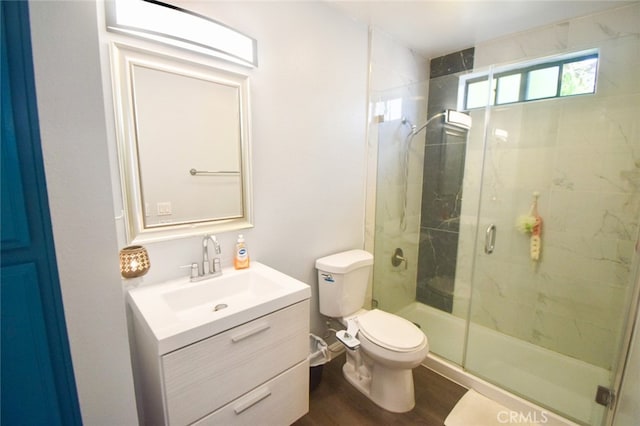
<point x="134" y="261"/>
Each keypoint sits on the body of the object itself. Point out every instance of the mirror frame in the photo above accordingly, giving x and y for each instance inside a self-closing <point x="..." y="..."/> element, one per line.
<point x="123" y="58"/>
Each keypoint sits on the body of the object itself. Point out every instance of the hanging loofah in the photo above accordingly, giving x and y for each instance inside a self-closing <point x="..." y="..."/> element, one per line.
<point x="536" y="242"/>
<point x="526" y="223"/>
<point x="532" y="224"/>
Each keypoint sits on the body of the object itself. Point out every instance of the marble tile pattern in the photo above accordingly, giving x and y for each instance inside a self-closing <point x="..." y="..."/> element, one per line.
<point x="444" y="159"/>
<point x="396" y="72"/>
<point x="583" y="155"/>
<point x="452" y="63"/>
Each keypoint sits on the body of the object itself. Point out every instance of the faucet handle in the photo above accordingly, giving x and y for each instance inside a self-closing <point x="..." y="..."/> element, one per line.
<point x="217" y="266"/>
<point x="194" y="269"/>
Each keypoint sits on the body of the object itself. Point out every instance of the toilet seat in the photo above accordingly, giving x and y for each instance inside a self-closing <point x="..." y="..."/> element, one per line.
<point x="390" y="331"/>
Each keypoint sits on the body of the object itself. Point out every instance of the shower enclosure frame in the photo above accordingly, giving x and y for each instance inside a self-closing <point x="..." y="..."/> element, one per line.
<point x="464" y="377"/>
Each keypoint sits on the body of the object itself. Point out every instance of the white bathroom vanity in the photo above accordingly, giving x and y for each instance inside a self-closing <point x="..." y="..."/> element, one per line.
<point x="227" y="350"/>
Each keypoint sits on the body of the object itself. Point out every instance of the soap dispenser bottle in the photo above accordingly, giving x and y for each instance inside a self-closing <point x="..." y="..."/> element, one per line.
<point x="241" y="255"/>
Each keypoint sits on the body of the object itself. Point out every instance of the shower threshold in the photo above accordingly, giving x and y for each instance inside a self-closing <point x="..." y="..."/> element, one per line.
<point x="549" y="378"/>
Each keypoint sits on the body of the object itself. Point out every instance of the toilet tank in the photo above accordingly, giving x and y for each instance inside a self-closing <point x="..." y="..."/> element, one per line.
<point x="342" y="282"/>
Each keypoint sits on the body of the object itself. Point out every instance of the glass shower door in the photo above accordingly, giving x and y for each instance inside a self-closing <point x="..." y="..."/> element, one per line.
<point x="549" y="303"/>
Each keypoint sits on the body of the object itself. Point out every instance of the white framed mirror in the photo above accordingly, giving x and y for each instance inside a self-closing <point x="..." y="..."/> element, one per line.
<point x="183" y="145"/>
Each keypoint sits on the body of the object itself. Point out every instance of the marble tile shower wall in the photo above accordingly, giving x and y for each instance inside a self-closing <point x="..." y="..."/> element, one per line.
<point x="444" y="160"/>
<point x="583" y="155"/>
<point x="397" y="74"/>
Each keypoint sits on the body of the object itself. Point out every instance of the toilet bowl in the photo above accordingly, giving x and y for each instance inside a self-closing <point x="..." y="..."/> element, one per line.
<point x="391" y="340"/>
<point x="389" y="346"/>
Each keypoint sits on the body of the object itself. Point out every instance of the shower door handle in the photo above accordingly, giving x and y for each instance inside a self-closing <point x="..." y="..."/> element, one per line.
<point x="490" y="239"/>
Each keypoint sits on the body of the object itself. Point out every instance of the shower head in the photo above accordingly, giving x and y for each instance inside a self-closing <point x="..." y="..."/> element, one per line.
<point x="457" y="119"/>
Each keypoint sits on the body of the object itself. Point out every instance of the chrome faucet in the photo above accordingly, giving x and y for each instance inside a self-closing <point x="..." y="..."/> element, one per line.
<point x="210" y="266"/>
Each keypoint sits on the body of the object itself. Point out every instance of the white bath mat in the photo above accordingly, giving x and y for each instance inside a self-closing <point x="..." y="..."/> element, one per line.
<point x="474" y="409"/>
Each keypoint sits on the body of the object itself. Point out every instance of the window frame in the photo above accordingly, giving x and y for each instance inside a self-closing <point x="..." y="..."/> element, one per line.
<point x="524" y="70"/>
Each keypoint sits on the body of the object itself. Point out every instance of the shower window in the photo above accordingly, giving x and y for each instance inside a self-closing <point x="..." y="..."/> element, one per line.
<point x="559" y="77"/>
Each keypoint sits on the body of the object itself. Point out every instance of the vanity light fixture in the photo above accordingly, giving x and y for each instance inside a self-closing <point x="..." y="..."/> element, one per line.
<point x="134" y="261"/>
<point x="169" y="24"/>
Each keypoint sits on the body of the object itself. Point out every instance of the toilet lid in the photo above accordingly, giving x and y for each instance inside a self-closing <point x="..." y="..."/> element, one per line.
<point x="390" y="331"/>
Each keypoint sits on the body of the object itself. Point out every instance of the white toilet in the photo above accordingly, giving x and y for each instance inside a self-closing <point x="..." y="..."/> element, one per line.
<point x="389" y="346"/>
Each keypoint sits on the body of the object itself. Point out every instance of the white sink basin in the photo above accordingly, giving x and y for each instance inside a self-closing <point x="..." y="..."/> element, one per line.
<point x="180" y="312"/>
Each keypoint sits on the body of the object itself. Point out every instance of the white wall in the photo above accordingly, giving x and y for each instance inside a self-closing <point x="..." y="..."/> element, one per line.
<point x="74" y="143"/>
<point x="308" y="114"/>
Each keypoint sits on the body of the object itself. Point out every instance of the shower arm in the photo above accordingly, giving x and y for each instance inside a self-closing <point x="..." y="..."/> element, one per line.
<point x="452" y="117"/>
<point x="415" y="131"/>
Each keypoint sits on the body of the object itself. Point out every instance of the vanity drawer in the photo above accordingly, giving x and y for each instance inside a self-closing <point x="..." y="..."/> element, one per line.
<point x="280" y="401"/>
<point x="203" y="377"/>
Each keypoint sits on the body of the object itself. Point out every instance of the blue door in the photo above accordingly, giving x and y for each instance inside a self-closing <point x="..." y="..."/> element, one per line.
<point x="38" y="386"/>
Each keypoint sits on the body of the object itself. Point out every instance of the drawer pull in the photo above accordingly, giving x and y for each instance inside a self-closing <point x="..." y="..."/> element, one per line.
<point x="249" y="333"/>
<point x="264" y="393"/>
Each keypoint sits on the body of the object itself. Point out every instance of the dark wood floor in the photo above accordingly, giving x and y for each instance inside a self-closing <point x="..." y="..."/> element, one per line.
<point x="336" y="402"/>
